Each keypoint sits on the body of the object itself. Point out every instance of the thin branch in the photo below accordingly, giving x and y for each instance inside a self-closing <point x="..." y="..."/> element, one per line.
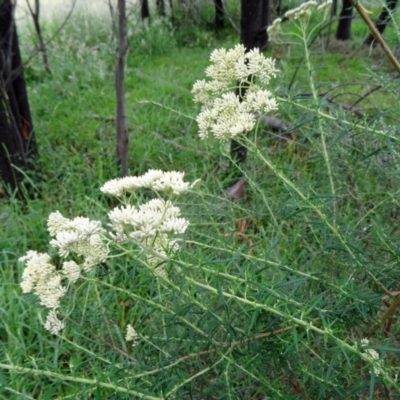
<point x="35" y="14"/>
<point x="323" y="27"/>
<point x="375" y="33"/>
<point x="37" y="50"/>
<point x="220" y="346"/>
<point x="390" y="311"/>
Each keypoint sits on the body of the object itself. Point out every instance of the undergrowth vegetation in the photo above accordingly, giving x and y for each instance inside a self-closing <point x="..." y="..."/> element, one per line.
<point x="282" y="293"/>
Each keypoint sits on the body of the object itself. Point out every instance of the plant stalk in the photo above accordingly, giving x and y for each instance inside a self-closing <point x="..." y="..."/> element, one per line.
<point x="375" y="33"/>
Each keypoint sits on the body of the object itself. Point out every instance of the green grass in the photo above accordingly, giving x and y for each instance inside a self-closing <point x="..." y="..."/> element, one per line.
<point x="310" y="266"/>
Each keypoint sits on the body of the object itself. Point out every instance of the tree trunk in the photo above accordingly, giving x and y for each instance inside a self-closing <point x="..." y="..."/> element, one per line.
<point x="144" y="9"/>
<point x="219" y="19"/>
<point x="160" y="7"/>
<point x="383" y="20"/>
<point x="253" y="34"/>
<point x="253" y="23"/>
<point x="344" y="26"/>
<point x="122" y="128"/>
<point x="17" y="142"/>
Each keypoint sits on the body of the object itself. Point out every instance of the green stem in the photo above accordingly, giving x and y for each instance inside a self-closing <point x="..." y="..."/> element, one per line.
<point x="320" y="127"/>
<point x="152" y="303"/>
<point x="68" y="378"/>
<point x="332" y="118"/>
<point x="320" y="214"/>
<point x="301" y="323"/>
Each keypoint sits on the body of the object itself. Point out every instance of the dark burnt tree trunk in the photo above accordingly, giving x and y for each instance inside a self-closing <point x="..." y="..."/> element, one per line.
<point x="160" y="7"/>
<point x="17" y="142"/>
<point x="343" y="31"/>
<point x="253" y="34"/>
<point x="383" y="20"/>
<point x="144" y="9"/>
<point x="219" y="19"/>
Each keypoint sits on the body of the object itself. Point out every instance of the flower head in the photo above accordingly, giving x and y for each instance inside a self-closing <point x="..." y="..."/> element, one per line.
<point x="71" y="270"/>
<point x="41" y="278"/>
<point x="300" y="14"/>
<point x="225" y="114"/>
<point x="275" y="30"/>
<point x="145" y="222"/>
<point x="303" y="12"/>
<point x="53" y="324"/>
<point x="372" y="354"/>
<point x="81" y="236"/>
<point x="131" y="334"/>
<point x="153" y="179"/>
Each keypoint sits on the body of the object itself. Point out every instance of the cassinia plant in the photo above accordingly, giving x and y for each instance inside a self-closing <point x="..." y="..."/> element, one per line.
<point x="150" y="227"/>
<point x="149" y="231"/>
<point x="225" y="114"/>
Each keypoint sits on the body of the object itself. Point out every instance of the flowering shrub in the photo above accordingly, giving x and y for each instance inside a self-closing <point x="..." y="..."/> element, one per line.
<point x="286" y="291"/>
<point x="300" y="16"/>
<point x="151" y="227"/>
<point x="224" y="113"/>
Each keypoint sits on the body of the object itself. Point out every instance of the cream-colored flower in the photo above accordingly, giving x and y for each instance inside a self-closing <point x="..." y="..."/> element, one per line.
<point x="131" y="334"/>
<point x="226" y="119"/>
<point x="174" y="225"/>
<point x="223" y="70"/>
<point x="38" y="269"/>
<point x="263" y="68"/>
<point x="83" y="237"/>
<point x="157" y="180"/>
<point x="324" y="7"/>
<point x="121" y="218"/>
<point x="303" y="12"/>
<point x="120" y="186"/>
<point x="41" y="278"/>
<point x="224" y="114"/>
<point x="71" y="270"/>
<point x="56" y="223"/>
<point x="373" y="355"/>
<point x="275" y="30"/>
<point x="202" y="91"/>
<point x="51" y="293"/>
<point x="53" y="324"/>
<point x="171" y="181"/>
<point x="259" y="102"/>
<point x="150" y="226"/>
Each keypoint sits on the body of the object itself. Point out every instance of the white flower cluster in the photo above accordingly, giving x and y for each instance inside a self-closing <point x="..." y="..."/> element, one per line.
<point x="372" y="354"/>
<point x="41" y="278"/>
<point x="153" y="179"/>
<point x="150" y="225"/>
<point x="302" y="14"/>
<point x="80" y="236"/>
<point x="225" y="114"/>
<point x="275" y="30"/>
<point x="145" y="222"/>
<point x="131" y="334"/>
<point x="303" y="11"/>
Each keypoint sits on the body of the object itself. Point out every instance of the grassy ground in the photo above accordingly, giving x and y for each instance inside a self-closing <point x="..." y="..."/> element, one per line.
<point x="276" y="290"/>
